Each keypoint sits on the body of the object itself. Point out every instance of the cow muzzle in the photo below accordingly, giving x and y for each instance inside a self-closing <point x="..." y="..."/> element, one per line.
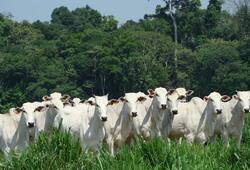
<point x="134" y="114"/>
<point x="31" y="124"/>
<point x="175" y="112"/>
<point x="218" y="111"/>
<point x="163" y="106"/>
<point x="104" y="119"/>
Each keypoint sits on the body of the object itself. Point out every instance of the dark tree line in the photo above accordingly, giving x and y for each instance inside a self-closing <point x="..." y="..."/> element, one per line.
<point x="81" y="53"/>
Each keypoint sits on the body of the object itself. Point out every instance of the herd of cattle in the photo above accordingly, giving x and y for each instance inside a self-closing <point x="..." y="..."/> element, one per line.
<point x="97" y="120"/>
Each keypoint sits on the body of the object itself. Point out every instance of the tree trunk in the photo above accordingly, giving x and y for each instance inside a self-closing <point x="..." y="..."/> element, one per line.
<point x="175" y="40"/>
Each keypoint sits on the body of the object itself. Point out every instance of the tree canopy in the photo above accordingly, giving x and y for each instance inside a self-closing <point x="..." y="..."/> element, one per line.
<point x="82" y="53"/>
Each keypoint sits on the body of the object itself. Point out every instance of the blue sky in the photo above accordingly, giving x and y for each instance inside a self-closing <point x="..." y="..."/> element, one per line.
<point x="122" y="10"/>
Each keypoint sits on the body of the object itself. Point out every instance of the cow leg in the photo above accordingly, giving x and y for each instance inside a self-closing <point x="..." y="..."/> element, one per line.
<point x="6" y="153"/>
<point x="111" y="147"/>
<point x="225" y="138"/>
<point x="180" y="140"/>
<point x="238" y="140"/>
<point x="169" y="141"/>
<point x="190" y="138"/>
<point x="213" y="138"/>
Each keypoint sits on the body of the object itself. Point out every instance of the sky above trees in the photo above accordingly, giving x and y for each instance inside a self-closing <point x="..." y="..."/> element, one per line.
<point x="122" y="10"/>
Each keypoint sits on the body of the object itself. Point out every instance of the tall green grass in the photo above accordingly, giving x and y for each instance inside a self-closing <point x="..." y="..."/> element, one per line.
<point x="61" y="151"/>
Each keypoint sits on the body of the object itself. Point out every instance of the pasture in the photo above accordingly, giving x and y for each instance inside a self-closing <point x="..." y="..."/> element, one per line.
<point x="61" y="151"/>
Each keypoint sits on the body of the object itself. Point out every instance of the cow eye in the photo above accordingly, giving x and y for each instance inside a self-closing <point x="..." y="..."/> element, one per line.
<point x="157" y="94"/>
<point x="97" y="105"/>
<point x="211" y="100"/>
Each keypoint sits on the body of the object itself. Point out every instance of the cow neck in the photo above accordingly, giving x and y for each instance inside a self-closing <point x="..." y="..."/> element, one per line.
<point x="210" y="119"/>
<point x="125" y="119"/>
<point x="50" y="115"/>
<point x="155" y="111"/>
<point x="237" y="113"/>
<point x="95" y="122"/>
<point x="21" y="130"/>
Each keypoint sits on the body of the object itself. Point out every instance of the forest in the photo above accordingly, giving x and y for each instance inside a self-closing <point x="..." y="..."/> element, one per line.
<point x="82" y="52"/>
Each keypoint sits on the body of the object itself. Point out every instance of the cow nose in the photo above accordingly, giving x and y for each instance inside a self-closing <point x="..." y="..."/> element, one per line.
<point x="134" y="114"/>
<point x="175" y="112"/>
<point x="163" y="106"/>
<point x="246" y="110"/>
<point x="104" y="119"/>
<point x="31" y="125"/>
<point x="218" y="111"/>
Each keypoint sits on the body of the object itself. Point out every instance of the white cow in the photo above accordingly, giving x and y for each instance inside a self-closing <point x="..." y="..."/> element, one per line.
<point x="45" y="113"/>
<point x="196" y="119"/>
<point x="183" y="92"/>
<point x="173" y="99"/>
<point x="14" y="130"/>
<point x="85" y="121"/>
<point x="119" y="126"/>
<point x="69" y="117"/>
<point x="231" y="121"/>
<point x="156" y="109"/>
<point x="92" y="131"/>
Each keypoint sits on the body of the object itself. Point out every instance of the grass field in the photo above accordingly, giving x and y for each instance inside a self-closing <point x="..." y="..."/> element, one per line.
<point x="61" y="151"/>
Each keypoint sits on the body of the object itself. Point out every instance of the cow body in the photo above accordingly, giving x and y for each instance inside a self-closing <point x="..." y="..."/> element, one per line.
<point x="120" y="125"/>
<point x="14" y="132"/>
<point x="231" y="121"/>
<point x="196" y="119"/>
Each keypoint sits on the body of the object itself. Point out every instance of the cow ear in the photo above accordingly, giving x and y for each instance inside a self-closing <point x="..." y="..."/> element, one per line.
<point x="67" y="103"/>
<point x="189" y="92"/>
<point x="65" y="97"/>
<point x="181" y="97"/>
<point x="91" y="102"/>
<point x="123" y="99"/>
<point x="205" y="98"/>
<point x="39" y="109"/>
<point x="151" y="93"/>
<point x="46" y="98"/>
<point x="171" y="91"/>
<point x="225" y="98"/>
<point x="142" y="99"/>
<point x="82" y="101"/>
<point x="18" y="110"/>
<point x="235" y="96"/>
<point x="113" y="101"/>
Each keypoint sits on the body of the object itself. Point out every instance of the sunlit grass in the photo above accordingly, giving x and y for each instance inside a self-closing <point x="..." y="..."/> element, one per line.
<point x="61" y="151"/>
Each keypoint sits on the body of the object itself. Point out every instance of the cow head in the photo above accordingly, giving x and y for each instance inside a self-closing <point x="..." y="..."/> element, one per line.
<point x="214" y="101"/>
<point x="159" y="96"/>
<point x="76" y="101"/>
<point x="56" y="95"/>
<point x="29" y="111"/>
<point x="243" y="100"/>
<point x="130" y="101"/>
<point x="173" y="99"/>
<point x="100" y="103"/>
<point x="184" y="93"/>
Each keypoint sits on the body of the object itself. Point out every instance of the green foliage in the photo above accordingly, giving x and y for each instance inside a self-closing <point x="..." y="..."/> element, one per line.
<point x="219" y="63"/>
<point x="82" y="53"/>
